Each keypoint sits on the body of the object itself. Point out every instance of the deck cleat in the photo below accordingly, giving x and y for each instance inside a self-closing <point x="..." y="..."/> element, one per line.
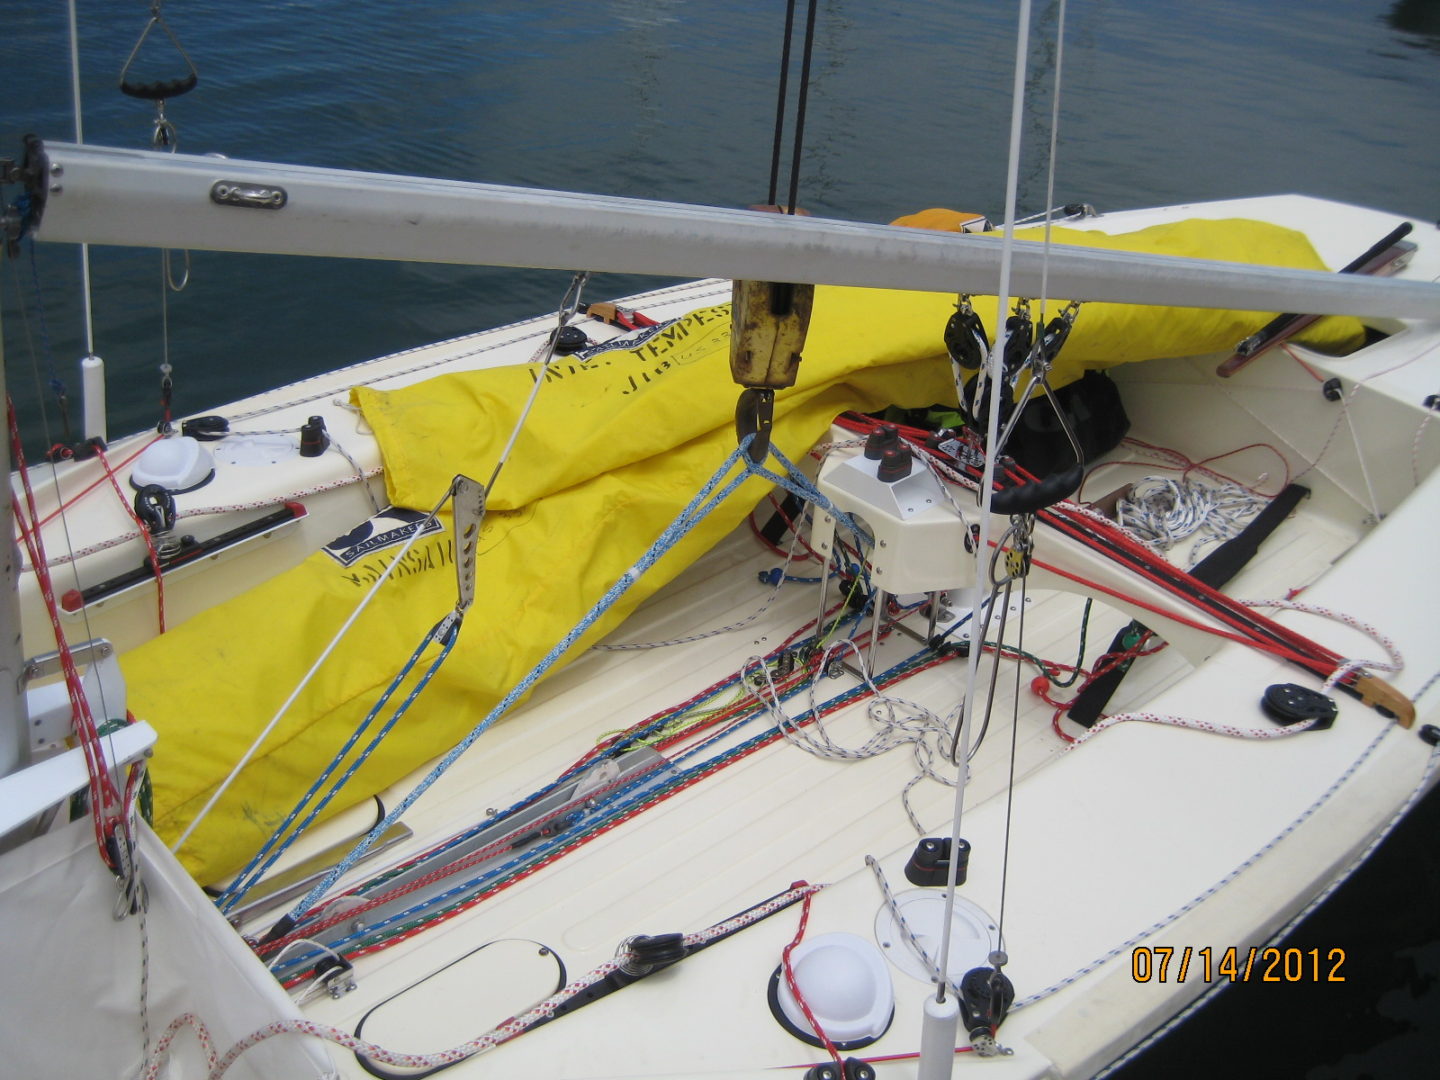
<point x="929" y="864"/>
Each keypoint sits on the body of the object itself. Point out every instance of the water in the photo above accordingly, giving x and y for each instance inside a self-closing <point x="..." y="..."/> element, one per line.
<point x="1164" y="101"/>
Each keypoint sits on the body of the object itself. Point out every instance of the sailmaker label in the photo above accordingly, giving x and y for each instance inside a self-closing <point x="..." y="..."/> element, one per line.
<point x="391" y="527"/>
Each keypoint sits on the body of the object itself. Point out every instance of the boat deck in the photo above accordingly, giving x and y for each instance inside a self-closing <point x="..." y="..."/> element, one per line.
<point x="1118" y="843"/>
<point x="780" y="815"/>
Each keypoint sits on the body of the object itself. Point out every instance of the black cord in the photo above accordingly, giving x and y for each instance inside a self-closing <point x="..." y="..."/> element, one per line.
<point x="780" y="101"/>
<point x="800" y="107"/>
<point x="800" y="103"/>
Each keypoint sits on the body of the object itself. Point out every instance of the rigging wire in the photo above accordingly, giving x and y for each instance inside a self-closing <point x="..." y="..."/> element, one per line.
<point x="517" y="1025"/>
<point x="987" y="485"/>
<point x="42" y="567"/>
<point x="305" y="679"/>
<point x="800" y="107"/>
<point x="76" y="103"/>
<point x="802" y="96"/>
<point x="1010" y="779"/>
<point x="780" y="102"/>
<point x="711" y="494"/>
<point x="1050" y="171"/>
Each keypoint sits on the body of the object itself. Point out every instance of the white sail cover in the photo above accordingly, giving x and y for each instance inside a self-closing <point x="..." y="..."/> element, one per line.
<point x="71" y="1011"/>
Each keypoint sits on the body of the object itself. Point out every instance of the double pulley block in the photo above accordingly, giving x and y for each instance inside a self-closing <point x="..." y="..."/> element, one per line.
<point x="769" y="322"/>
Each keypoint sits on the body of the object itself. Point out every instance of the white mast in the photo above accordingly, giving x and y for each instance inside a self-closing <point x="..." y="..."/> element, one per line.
<point x="152" y="199"/>
<point x="14" y="720"/>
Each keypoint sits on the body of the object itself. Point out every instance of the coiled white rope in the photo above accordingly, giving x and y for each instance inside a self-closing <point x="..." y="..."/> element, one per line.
<point x="897" y="722"/>
<point x="1165" y="511"/>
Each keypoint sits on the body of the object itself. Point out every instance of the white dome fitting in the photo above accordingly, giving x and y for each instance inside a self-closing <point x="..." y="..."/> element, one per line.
<point x="846" y="983"/>
<point x="179" y="464"/>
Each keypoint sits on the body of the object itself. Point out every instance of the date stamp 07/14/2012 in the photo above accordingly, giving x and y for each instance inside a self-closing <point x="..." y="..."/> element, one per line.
<point x="1166" y="963"/>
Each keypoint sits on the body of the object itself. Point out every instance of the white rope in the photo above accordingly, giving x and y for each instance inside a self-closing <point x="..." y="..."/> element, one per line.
<point x="309" y="675"/>
<point x="896" y="721"/>
<point x="202" y="511"/>
<point x="674" y="294"/>
<point x="358" y="470"/>
<point x="893" y="906"/>
<point x="1171" y="720"/>
<point x="941" y="474"/>
<point x="1395" y="663"/>
<point x="1163" y="511"/>
<point x="1201" y="897"/>
<point x="567" y="308"/>
<point x="1280" y="935"/>
<point x="218" y="1065"/>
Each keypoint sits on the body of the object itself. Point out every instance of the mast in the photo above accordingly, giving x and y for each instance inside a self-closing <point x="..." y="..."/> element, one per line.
<point x="14" y="719"/>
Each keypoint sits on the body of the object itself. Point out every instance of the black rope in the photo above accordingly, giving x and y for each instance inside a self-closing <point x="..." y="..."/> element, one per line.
<point x="802" y="96"/>
<point x="780" y="102"/>
<point x="800" y="106"/>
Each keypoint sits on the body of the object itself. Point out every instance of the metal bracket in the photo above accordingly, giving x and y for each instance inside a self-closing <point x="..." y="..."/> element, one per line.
<point x="34" y="171"/>
<point x="254" y="196"/>
<point x="47" y="664"/>
<point x="469" y="510"/>
<point x="49" y="708"/>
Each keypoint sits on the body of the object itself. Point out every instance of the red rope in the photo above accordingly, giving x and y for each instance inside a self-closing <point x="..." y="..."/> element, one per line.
<point x="105" y="802"/>
<point x="795" y="987"/>
<point x="92" y="486"/>
<point x="1251" y="627"/>
<point x="312" y="929"/>
<point x="144" y="535"/>
<point x="809" y="552"/>
<point x="1245" y="627"/>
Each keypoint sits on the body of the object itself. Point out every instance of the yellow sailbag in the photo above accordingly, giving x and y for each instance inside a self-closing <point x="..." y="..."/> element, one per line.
<point x="615" y="448"/>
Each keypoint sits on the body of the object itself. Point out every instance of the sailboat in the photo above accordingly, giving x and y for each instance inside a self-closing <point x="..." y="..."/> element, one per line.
<point x="722" y="834"/>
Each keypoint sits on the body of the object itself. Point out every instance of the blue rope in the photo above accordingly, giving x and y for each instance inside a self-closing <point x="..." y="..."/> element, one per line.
<point x="705" y="501"/>
<point x="445" y="632"/>
<point x="798" y="484"/>
<point x="606" y="807"/>
<point x="710" y="496"/>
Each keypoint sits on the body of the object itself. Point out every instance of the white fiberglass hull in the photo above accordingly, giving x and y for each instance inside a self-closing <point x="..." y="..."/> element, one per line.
<point x="1144" y="839"/>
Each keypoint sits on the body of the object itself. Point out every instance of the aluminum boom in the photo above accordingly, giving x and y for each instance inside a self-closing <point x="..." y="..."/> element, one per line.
<point x="153" y="199"/>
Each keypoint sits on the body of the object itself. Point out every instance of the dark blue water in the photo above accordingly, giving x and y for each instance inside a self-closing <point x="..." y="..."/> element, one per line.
<point x="1164" y="101"/>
